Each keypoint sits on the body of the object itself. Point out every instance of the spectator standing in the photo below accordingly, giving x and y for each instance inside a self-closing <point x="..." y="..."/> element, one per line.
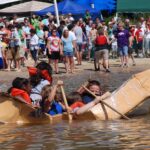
<point x="122" y="36"/>
<point x="1" y="57"/>
<point x="139" y="36"/>
<point x="34" y="41"/>
<point x="55" y="49"/>
<point x="101" y="51"/>
<point x="79" y="40"/>
<point x="68" y="45"/>
<point x="14" y="45"/>
<point x="147" y="40"/>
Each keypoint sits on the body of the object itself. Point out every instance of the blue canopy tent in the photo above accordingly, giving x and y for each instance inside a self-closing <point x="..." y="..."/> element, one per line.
<point x="80" y="6"/>
<point x="98" y="4"/>
<point x="68" y="6"/>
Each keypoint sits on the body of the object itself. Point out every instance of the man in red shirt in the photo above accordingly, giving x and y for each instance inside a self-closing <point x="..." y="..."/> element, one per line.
<point x="139" y="38"/>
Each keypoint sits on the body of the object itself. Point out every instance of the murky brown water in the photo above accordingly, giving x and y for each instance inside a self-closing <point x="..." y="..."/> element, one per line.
<point x="83" y="135"/>
<point x="93" y="135"/>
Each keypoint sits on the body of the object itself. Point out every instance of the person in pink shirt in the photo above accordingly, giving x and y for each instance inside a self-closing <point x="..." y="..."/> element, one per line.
<point x="54" y="49"/>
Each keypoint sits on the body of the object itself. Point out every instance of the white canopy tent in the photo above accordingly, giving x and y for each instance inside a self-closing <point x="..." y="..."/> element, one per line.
<point x="31" y="6"/>
<point x="2" y="2"/>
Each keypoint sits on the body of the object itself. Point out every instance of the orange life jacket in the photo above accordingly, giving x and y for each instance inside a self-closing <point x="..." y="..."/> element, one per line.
<point x="21" y="93"/>
<point x="33" y="71"/>
<point x="77" y="104"/>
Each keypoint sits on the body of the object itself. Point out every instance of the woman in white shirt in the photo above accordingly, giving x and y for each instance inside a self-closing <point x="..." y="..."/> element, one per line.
<point x="34" y="41"/>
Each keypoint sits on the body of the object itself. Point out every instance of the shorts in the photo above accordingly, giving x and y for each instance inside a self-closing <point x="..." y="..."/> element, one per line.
<point x="114" y="48"/>
<point x="13" y="53"/>
<point x="69" y="54"/>
<point x="130" y="50"/>
<point x="90" y="45"/>
<point x="34" y="54"/>
<point x="123" y="51"/>
<point x="42" y="46"/>
<point x="55" y="55"/>
<point x="48" y="55"/>
<point x="79" y="47"/>
<point x="28" y="43"/>
<point x="101" y="54"/>
<point x="140" y="45"/>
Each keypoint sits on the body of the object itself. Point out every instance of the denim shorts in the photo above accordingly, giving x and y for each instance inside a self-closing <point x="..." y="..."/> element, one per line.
<point x="79" y="47"/>
<point x="34" y="54"/>
<point x="69" y="54"/>
<point x="123" y="51"/>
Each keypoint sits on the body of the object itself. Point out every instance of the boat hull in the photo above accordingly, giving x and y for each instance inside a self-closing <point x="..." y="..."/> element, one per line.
<point x="126" y="98"/>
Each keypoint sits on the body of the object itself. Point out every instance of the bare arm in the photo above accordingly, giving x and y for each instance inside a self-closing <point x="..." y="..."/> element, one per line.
<point x="61" y="47"/>
<point x="81" y="89"/>
<point x="86" y="107"/>
<point x="53" y="92"/>
<point x="48" y="46"/>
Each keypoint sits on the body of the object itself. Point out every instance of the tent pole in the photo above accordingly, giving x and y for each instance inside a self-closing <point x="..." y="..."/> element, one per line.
<point x="116" y="16"/>
<point x="56" y="12"/>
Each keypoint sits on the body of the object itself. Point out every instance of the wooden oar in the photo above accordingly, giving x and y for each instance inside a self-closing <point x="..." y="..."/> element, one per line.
<point x="88" y="106"/>
<point x="66" y="103"/>
<point x="124" y="116"/>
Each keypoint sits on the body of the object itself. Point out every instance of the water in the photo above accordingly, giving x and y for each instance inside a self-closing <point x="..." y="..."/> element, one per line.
<point x="82" y="135"/>
<point x="93" y="135"/>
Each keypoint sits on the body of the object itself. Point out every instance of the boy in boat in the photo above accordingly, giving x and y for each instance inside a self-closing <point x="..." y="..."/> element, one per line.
<point x="93" y="86"/>
<point x="21" y="89"/>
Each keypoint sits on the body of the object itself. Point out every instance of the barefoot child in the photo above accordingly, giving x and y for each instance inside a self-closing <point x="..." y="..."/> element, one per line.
<point x="54" y="49"/>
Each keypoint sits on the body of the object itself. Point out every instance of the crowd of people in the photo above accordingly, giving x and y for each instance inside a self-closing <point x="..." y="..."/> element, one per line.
<point x="72" y="38"/>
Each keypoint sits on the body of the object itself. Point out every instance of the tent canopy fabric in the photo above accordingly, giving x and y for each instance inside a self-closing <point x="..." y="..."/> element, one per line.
<point x="31" y="6"/>
<point x="133" y="6"/>
<point x="98" y="4"/>
<point x="65" y="7"/>
<point x="79" y="6"/>
<point x="2" y="2"/>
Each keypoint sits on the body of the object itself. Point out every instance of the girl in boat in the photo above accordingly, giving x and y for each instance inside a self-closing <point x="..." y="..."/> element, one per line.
<point x="95" y="87"/>
<point x="49" y="104"/>
<point x="21" y="89"/>
<point x="39" y="77"/>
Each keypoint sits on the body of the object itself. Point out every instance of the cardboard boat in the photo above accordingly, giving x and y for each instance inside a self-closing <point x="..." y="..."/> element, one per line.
<point x="12" y="110"/>
<point x="132" y="93"/>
